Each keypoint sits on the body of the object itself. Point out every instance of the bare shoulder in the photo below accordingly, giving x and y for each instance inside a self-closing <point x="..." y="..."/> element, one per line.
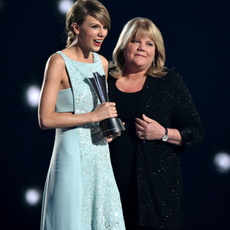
<point x="105" y="63"/>
<point x="55" y="68"/>
<point x="103" y="60"/>
<point x="56" y="59"/>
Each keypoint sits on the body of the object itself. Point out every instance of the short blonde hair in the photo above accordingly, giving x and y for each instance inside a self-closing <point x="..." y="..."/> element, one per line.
<point x="78" y="13"/>
<point x="139" y="27"/>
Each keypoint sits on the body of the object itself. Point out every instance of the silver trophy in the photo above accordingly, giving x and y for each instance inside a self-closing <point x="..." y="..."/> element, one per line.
<point x="110" y="126"/>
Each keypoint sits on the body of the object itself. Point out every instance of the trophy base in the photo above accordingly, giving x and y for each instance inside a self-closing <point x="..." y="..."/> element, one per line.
<point x="111" y="126"/>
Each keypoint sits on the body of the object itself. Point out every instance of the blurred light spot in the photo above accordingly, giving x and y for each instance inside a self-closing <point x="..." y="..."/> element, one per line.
<point x="33" y="94"/>
<point x="222" y="162"/>
<point x="64" y="5"/>
<point x="2" y="6"/>
<point x="33" y="196"/>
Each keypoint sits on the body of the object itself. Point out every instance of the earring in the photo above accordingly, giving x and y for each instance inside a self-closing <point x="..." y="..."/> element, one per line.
<point x="153" y="63"/>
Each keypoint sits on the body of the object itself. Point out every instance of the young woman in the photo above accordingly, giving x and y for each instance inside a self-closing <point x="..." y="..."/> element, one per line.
<point x="80" y="190"/>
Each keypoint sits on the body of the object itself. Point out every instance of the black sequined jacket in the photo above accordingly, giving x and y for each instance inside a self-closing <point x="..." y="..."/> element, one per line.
<point x="159" y="184"/>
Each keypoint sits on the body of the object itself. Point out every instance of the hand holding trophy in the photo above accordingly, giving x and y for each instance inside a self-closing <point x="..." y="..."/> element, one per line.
<point x="110" y="127"/>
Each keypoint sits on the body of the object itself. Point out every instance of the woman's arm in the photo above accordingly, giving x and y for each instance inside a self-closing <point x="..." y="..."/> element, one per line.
<point x="152" y="130"/>
<point x="185" y="116"/>
<point x="187" y="128"/>
<point x="54" y="77"/>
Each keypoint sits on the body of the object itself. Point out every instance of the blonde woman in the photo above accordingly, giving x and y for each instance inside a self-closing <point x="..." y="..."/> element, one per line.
<point x="80" y="190"/>
<point x="160" y="120"/>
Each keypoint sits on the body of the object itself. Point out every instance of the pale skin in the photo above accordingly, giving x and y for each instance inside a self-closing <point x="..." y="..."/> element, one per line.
<point x="139" y="55"/>
<point x="90" y="36"/>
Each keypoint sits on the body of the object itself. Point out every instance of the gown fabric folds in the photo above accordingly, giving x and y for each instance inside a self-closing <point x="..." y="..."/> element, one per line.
<point x="80" y="191"/>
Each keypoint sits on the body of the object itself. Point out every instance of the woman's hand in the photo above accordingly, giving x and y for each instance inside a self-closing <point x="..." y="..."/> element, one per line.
<point x="149" y="129"/>
<point x="104" y="111"/>
<point x="112" y="136"/>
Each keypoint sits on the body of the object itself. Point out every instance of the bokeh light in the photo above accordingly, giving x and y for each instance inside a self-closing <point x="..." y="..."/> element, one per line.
<point x="64" y="5"/>
<point x="222" y="162"/>
<point x="33" y="196"/>
<point x="33" y="94"/>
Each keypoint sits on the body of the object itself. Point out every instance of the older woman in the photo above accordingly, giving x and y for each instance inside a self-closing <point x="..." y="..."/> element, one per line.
<point x="161" y="120"/>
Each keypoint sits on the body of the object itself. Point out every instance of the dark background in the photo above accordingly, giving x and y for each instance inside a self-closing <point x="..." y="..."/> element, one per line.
<point x="196" y="36"/>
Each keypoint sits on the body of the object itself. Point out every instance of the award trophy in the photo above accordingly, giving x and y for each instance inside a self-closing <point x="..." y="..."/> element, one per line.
<point x="110" y="126"/>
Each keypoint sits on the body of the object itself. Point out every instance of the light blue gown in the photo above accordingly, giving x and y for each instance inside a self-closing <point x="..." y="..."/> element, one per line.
<point x="80" y="190"/>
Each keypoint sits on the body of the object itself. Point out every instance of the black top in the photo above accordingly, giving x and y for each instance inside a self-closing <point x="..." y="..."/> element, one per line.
<point x="123" y="153"/>
<point x="157" y="167"/>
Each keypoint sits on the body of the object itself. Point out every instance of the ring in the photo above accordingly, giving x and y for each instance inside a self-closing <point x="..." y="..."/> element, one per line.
<point x="139" y="134"/>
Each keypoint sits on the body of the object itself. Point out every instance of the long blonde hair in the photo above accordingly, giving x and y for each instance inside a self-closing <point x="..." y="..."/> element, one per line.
<point x="78" y="13"/>
<point x="139" y="27"/>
